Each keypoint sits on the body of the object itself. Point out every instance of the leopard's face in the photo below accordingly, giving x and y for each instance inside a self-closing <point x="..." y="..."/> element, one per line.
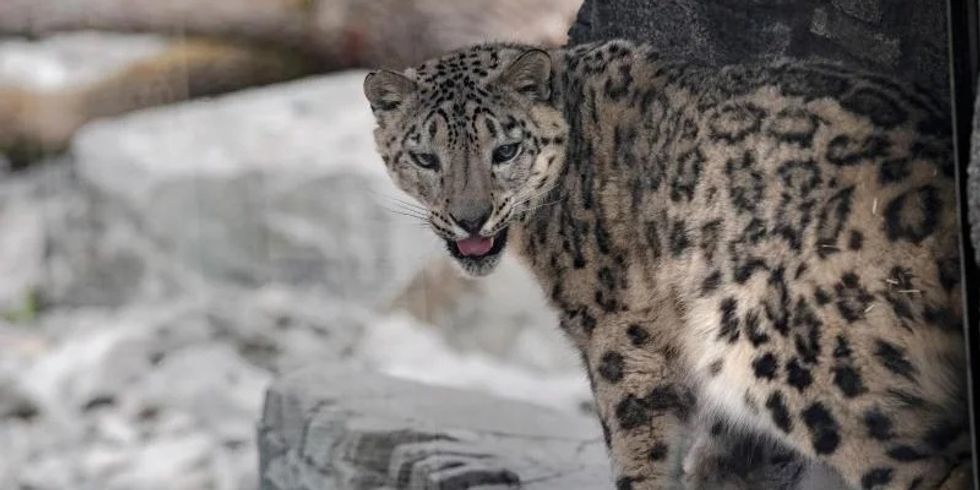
<point x="474" y="138"/>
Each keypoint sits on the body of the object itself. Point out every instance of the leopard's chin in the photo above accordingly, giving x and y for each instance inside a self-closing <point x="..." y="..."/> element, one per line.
<point x="480" y="265"/>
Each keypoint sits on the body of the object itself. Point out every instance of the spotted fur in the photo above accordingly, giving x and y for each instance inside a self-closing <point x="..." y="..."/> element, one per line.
<point x="771" y="245"/>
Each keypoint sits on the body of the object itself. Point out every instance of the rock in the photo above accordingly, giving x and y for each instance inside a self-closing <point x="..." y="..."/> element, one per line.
<point x="973" y="184"/>
<point x="71" y="59"/>
<point x="60" y="247"/>
<point x="22" y="246"/>
<point x="504" y="314"/>
<point x="15" y="402"/>
<point x="166" y="395"/>
<point x="157" y="396"/>
<point x="846" y="31"/>
<point x="908" y="42"/>
<point x="278" y="184"/>
<point x="400" y="347"/>
<point x="286" y="188"/>
<point x="867" y="10"/>
<point x="328" y="427"/>
<point x="176" y="275"/>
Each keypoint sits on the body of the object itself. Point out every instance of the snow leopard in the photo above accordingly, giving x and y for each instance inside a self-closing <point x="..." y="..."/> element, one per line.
<point x="768" y="248"/>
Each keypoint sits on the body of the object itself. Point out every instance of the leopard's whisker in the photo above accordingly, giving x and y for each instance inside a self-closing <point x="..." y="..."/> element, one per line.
<point x="408" y="214"/>
<point x="545" y="204"/>
<point x="536" y="195"/>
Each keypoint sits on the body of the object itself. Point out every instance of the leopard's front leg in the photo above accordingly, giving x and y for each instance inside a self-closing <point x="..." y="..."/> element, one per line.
<point x="642" y="400"/>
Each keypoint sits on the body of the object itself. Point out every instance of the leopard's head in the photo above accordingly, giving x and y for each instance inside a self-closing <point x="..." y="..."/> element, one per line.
<point x="475" y="137"/>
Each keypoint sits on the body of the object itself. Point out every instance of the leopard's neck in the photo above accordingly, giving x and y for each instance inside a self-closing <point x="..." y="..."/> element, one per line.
<point x="580" y="231"/>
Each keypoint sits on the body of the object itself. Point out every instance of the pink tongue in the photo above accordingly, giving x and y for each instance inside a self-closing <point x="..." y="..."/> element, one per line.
<point x="474" y="246"/>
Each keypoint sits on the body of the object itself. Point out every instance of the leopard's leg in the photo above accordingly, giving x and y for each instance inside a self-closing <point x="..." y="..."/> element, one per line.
<point x="881" y="472"/>
<point x="650" y="415"/>
<point x="728" y="458"/>
<point x="642" y="399"/>
<point x="893" y="432"/>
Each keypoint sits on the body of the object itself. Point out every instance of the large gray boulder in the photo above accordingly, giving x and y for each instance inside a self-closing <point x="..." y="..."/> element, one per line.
<point x="279" y="184"/>
<point x="326" y="427"/>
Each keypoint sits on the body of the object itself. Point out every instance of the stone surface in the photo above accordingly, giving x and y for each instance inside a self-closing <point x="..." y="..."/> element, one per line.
<point x="537" y="367"/>
<point x="490" y="314"/>
<point x="156" y="396"/>
<point x="326" y="427"/>
<point x="166" y="395"/>
<point x="71" y="59"/>
<point x="160" y="384"/>
<point x="22" y="238"/>
<point x="279" y="184"/>
<point x="906" y="39"/>
<point x="973" y="183"/>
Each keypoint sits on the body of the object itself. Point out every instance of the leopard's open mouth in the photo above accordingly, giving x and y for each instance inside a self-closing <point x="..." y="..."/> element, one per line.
<point x="476" y="255"/>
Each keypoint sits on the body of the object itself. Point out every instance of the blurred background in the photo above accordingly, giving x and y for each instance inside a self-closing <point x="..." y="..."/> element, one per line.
<point x="191" y="205"/>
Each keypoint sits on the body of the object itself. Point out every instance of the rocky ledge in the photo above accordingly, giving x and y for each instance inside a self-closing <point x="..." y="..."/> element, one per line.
<point x="328" y="427"/>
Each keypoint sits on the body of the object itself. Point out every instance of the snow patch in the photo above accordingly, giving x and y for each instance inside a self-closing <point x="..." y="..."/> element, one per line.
<point x="401" y="347"/>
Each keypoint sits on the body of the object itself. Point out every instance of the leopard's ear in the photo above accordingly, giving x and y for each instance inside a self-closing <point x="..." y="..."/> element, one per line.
<point x="530" y="74"/>
<point x="386" y="90"/>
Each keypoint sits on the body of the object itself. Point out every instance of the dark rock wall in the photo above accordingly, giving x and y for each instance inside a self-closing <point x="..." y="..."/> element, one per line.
<point x="973" y="184"/>
<point x="906" y="38"/>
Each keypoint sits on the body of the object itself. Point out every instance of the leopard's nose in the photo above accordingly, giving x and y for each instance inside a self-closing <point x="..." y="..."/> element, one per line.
<point x="472" y="223"/>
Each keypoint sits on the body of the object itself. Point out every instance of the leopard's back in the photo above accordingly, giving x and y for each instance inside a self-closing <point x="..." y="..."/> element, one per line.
<point x="800" y="220"/>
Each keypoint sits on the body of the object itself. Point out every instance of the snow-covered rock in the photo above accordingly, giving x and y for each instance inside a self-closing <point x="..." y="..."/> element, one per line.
<point x="165" y="395"/>
<point x="156" y="396"/>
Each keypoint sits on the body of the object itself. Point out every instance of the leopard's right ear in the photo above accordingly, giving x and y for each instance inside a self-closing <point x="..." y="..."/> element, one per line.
<point x="386" y="90"/>
<point x="530" y="74"/>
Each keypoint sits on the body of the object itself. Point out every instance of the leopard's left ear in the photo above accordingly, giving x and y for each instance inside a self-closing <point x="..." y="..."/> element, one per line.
<point x="386" y="90"/>
<point x="530" y="74"/>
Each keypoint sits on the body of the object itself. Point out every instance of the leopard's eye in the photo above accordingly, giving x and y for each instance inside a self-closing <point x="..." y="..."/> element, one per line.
<point x="425" y="160"/>
<point x="506" y="153"/>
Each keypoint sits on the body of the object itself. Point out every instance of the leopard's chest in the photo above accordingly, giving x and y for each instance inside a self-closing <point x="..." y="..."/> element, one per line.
<point x="724" y="374"/>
